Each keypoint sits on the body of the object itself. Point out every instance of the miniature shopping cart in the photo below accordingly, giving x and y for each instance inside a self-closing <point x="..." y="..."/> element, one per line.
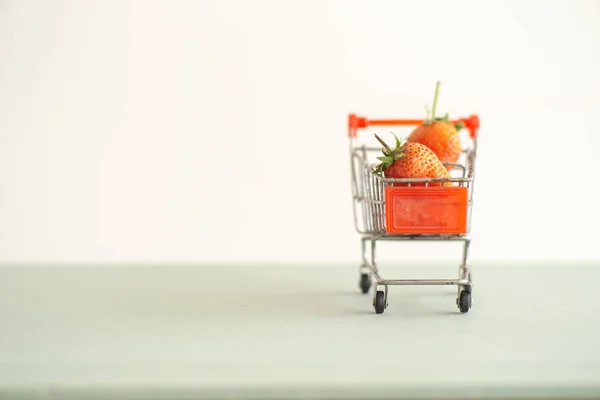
<point x="398" y="209"/>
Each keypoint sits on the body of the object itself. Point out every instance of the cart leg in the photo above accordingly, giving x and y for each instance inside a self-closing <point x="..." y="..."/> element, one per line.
<point x="373" y="256"/>
<point x="380" y="297"/>
<point x="464" y="272"/>
<point x="364" y="282"/>
<point x="363" y="247"/>
<point x="464" y="299"/>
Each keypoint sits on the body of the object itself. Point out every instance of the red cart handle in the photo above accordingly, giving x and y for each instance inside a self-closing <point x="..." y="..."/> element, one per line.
<point x="355" y="123"/>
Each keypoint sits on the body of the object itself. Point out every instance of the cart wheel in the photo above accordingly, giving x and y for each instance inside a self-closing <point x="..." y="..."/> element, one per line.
<point x="464" y="301"/>
<point x="365" y="283"/>
<point x="380" y="302"/>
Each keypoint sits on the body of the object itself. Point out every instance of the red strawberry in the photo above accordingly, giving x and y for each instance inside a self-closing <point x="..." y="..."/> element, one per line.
<point x="439" y="135"/>
<point x="410" y="160"/>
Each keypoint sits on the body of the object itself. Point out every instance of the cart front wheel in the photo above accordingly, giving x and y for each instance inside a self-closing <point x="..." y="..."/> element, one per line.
<point x="464" y="301"/>
<point x="365" y="283"/>
<point x="380" y="302"/>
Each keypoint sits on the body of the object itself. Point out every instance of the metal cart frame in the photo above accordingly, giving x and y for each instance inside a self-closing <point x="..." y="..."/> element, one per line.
<point x="369" y="212"/>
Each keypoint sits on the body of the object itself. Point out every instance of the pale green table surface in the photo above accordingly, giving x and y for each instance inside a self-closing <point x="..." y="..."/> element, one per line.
<point x="296" y="331"/>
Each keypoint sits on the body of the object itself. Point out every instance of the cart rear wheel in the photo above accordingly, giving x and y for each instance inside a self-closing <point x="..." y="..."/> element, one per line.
<point x="380" y="302"/>
<point x="464" y="301"/>
<point x="365" y="283"/>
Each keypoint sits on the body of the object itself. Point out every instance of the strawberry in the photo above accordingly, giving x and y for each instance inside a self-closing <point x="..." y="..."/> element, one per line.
<point x="410" y="160"/>
<point x="439" y="134"/>
<point x="441" y="137"/>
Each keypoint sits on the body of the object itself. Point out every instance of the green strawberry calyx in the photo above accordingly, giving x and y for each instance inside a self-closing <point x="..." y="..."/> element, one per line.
<point x="390" y="155"/>
<point x="446" y="118"/>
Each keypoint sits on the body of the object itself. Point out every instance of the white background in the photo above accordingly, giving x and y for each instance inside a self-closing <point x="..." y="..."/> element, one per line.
<point x="216" y="130"/>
